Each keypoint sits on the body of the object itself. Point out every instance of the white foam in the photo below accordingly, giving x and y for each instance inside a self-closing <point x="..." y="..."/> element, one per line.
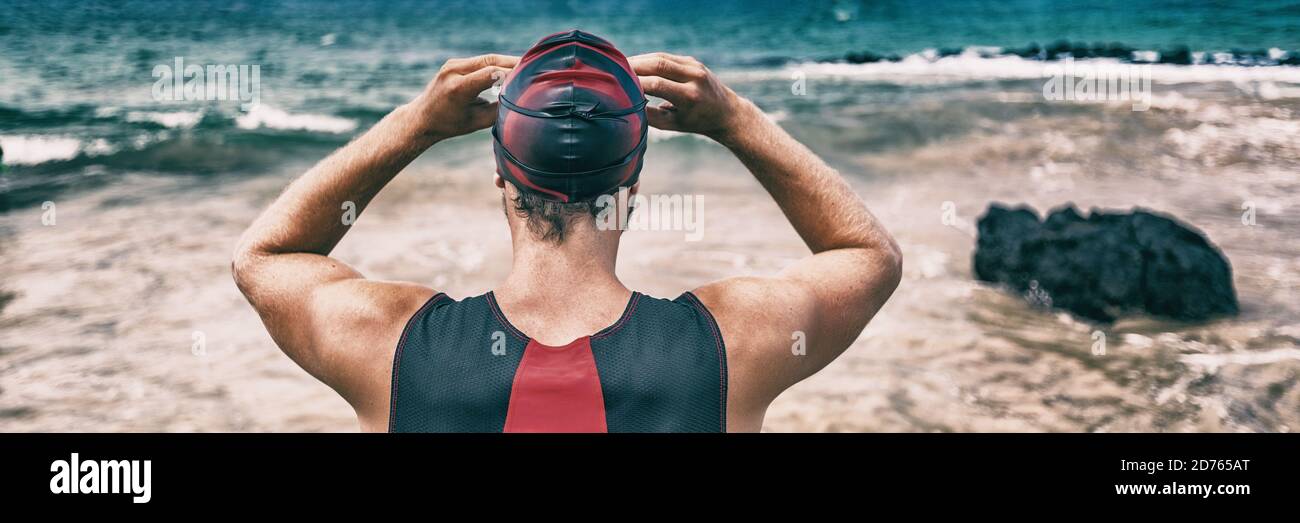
<point x="975" y="64"/>
<point x="261" y="115"/>
<point x="1212" y="362"/>
<point x="99" y="147"/>
<point x="661" y="135"/>
<point x="1218" y="144"/>
<point x="32" y="150"/>
<point x="180" y="119"/>
<point x="1145" y="56"/>
<point x="107" y="112"/>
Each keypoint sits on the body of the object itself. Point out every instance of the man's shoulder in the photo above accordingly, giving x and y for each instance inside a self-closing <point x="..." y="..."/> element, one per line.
<point x="372" y="302"/>
<point x="750" y="304"/>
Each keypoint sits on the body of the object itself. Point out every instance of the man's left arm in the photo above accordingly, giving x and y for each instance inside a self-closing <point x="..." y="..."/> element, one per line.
<point x="338" y="326"/>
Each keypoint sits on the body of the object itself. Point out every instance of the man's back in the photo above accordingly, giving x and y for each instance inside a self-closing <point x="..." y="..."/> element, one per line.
<point x="462" y="366"/>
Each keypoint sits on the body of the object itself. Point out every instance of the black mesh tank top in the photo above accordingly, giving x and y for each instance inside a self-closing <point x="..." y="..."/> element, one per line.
<point x="462" y="367"/>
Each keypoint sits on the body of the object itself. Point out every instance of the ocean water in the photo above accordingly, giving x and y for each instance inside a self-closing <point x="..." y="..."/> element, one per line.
<point x="120" y="314"/>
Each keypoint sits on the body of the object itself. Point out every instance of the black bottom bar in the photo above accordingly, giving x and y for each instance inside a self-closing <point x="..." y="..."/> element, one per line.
<point x="315" y="472"/>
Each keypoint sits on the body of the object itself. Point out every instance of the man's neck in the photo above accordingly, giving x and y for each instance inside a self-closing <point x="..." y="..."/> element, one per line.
<point x="557" y="293"/>
<point x="582" y="264"/>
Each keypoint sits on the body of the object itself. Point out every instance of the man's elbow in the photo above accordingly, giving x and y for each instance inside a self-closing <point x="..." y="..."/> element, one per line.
<point x="243" y="266"/>
<point x="882" y="262"/>
<point x="891" y="265"/>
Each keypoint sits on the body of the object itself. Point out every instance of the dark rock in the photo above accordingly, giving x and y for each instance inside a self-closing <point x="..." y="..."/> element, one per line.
<point x="769" y="61"/>
<point x="1113" y="50"/>
<point x="1106" y="265"/>
<point x="1180" y="55"/>
<point x="1249" y="57"/>
<point x="1032" y="51"/>
<point x="1080" y="50"/>
<point x="1056" y="49"/>
<point x="867" y="57"/>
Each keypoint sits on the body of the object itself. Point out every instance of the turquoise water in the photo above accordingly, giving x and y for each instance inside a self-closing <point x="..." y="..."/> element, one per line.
<point x="727" y="30"/>
<point x="76" y="77"/>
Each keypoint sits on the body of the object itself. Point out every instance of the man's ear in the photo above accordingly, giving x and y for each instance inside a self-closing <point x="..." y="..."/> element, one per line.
<point x="631" y="191"/>
<point x="501" y="182"/>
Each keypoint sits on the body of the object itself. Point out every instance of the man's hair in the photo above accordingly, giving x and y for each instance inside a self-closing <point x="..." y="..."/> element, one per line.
<point x="550" y="220"/>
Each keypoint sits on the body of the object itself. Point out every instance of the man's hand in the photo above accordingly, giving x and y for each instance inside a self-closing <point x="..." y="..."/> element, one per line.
<point x="450" y="106"/>
<point x="697" y="102"/>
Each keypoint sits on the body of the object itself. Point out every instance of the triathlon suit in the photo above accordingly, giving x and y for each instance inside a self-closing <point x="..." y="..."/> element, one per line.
<point x="462" y="367"/>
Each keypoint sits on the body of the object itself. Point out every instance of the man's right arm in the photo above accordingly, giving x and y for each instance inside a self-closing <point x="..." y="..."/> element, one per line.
<point x="829" y="296"/>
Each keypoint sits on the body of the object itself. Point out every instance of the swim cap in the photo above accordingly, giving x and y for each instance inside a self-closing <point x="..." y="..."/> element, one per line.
<point x="571" y="122"/>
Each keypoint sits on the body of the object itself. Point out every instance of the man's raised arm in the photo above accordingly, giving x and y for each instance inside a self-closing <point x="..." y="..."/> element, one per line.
<point x="829" y="296"/>
<point x="321" y="312"/>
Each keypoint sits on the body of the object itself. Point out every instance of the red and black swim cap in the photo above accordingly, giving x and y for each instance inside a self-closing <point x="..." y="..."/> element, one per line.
<point x="571" y="123"/>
